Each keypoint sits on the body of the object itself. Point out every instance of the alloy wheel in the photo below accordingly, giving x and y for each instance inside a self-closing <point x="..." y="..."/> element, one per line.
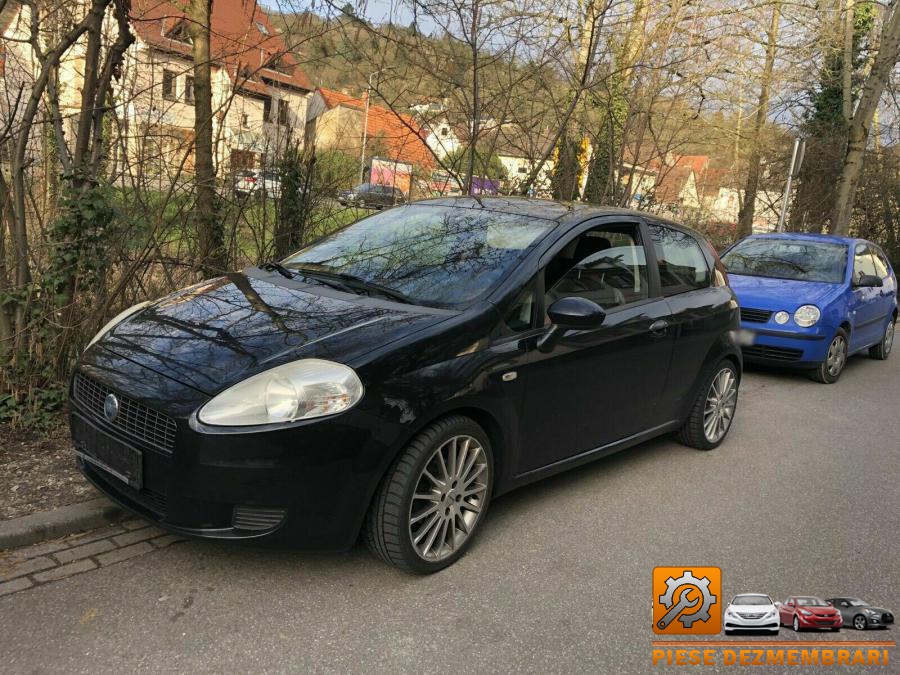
<point x="889" y="338"/>
<point x="796" y="624"/>
<point x="837" y="356"/>
<point x="720" y="404"/>
<point x="448" y="498"/>
<point x="859" y="623"/>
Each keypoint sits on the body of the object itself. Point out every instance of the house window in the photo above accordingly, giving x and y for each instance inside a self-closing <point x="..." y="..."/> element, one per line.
<point x="180" y="33"/>
<point x="245" y="120"/>
<point x="168" y="85"/>
<point x="282" y="112"/>
<point x="188" y="89"/>
<point x="267" y="109"/>
<point x="523" y="169"/>
<point x="445" y="131"/>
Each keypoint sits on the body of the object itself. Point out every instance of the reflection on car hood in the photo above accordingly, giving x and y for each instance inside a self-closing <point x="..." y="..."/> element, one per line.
<point x="775" y="294"/>
<point x="216" y="333"/>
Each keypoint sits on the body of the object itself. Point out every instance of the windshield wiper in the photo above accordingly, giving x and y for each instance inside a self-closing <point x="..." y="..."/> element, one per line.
<point x="352" y="282"/>
<point x="273" y="266"/>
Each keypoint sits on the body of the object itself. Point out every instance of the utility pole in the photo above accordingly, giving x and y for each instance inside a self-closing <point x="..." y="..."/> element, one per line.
<point x="796" y="161"/>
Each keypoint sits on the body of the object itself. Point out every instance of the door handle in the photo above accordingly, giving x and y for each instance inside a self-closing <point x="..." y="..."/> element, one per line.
<point x="658" y="328"/>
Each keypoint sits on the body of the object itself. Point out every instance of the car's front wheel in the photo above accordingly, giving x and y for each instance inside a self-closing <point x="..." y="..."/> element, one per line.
<point x="859" y="622"/>
<point x="883" y="349"/>
<point x="796" y="624"/>
<point x="434" y="498"/>
<point x="713" y="410"/>
<point x="829" y="370"/>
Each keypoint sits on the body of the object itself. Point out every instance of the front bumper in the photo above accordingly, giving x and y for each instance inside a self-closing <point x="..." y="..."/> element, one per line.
<point x="306" y="485"/>
<point x="735" y="621"/>
<point x="820" y="622"/>
<point x="797" y="347"/>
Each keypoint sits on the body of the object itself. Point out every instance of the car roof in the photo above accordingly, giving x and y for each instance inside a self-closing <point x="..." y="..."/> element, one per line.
<point x="809" y="236"/>
<point x="564" y="213"/>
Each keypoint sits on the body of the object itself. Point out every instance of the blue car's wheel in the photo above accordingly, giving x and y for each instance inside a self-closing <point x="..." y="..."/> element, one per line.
<point x="830" y="369"/>
<point x="883" y="349"/>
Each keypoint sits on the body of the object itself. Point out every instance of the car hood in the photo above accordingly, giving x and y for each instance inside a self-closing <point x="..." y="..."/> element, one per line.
<point x="753" y="609"/>
<point x="221" y="331"/>
<point x="776" y="294"/>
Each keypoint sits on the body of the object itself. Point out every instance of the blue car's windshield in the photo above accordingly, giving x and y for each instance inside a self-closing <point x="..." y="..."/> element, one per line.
<point x="795" y="259"/>
<point x="434" y="255"/>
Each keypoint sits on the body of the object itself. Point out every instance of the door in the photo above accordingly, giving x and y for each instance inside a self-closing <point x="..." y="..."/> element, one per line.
<point x="887" y="293"/>
<point x="597" y="386"/>
<point x="701" y="306"/>
<point x="865" y="303"/>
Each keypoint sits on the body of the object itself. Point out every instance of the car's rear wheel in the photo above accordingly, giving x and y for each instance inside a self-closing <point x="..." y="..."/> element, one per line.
<point x="713" y="411"/>
<point x="829" y="370"/>
<point x="796" y="624"/>
<point x="433" y="499"/>
<point x="883" y="349"/>
<point x="859" y="622"/>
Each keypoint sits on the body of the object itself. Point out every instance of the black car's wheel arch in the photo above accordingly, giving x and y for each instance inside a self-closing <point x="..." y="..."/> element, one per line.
<point x="714" y="356"/>
<point x="487" y="419"/>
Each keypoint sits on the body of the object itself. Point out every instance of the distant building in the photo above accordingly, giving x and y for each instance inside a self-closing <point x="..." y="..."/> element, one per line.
<point x="337" y="121"/>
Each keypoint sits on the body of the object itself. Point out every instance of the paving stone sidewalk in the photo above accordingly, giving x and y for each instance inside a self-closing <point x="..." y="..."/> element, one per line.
<point x="48" y="561"/>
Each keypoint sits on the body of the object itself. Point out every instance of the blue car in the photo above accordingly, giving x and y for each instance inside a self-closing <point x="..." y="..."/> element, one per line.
<point x="811" y="301"/>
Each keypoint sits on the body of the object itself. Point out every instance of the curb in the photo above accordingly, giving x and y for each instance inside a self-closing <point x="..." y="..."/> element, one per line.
<point x="60" y="522"/>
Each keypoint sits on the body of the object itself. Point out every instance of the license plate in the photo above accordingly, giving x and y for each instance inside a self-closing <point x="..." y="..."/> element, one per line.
<point x="110" y="454"/>
<point x="746" y="338"/>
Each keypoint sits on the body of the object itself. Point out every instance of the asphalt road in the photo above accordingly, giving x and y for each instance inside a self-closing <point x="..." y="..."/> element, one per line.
<point x="802" y="498"/>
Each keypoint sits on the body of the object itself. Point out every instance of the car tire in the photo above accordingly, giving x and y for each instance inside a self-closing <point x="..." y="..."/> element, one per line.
<point x="835" y="629"/>
<point x="695" y="431"/>
<point x="796" y="624"/>
<point x="774" y="631"/>
<point x="729" y="632"/>
<point x="830" y="369"/>
<point x="390" y="524"/>
<point x="883" y="349"/>
<point x="860" y="625"/>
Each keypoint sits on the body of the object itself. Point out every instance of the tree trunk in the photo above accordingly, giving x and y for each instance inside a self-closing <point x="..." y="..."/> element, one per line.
<point x="748" y="208"/>
<point x="210" y="233"/>
<point x="858" y="132"/>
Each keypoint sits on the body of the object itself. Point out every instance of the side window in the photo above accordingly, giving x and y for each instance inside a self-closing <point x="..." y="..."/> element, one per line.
<point x="521" y="316"/>
<point x="606" y="265"/>
<point x="682" y="265"/>
<point x="881" y="265"/>
<point x="863" y="262"/>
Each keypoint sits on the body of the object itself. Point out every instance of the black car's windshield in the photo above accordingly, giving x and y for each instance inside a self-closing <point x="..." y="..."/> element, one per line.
<point x="751" y="600"/>
<point x="795" y="259"/>
<point x="811" y="602"/>
<point x="854" y="602"/>
<point x="434" y="255"/>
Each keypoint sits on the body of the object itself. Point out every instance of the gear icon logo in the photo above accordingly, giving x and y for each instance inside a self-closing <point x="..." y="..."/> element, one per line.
<point x="686" y="600"/>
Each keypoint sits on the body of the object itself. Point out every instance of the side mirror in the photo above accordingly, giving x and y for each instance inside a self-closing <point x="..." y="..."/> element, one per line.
<point x="869" y="281"/>
<point x="831" y="604"/>
<point x="570" y="314"/>
<point x="778" y="604"/>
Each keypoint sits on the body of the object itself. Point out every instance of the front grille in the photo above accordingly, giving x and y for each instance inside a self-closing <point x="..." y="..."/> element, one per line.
<point x="749" y="616"/>
<point x="772" y="353"/>
<point x="134" y="419"/>
<point x="887" y="617"/>
<point x="755" y="315"/>
<point x="256" y="518"/>
<point x="826" y="622"/>
<point x="151" y="500"/>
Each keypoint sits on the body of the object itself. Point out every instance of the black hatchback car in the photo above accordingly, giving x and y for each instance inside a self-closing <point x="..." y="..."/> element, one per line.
<point x="370" y="195"/>
<point x="398" y="374"/>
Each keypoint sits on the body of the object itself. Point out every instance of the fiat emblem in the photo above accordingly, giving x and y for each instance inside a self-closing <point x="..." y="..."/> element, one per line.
<point x="111" y="407"/>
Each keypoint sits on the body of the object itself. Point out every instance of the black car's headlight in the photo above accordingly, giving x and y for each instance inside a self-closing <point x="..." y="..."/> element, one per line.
<point x="300" y="390"/>
<point x="117" y="319"/>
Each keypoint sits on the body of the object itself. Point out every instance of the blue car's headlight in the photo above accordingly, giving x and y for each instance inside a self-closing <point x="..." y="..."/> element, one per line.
<point x="300" y="390"/>
<point x="807" y="316"/>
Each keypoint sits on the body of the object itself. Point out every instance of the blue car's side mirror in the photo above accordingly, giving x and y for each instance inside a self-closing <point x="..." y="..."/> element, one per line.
<point x="868" y="281"/>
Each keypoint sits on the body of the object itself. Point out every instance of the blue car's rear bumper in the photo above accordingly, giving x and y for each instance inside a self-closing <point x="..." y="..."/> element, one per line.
<point x="797" y="347"/>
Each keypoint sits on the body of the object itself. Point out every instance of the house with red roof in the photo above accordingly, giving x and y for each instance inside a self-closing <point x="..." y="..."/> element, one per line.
<point x="260" y="92"/>
<point x="339" y="121"/>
